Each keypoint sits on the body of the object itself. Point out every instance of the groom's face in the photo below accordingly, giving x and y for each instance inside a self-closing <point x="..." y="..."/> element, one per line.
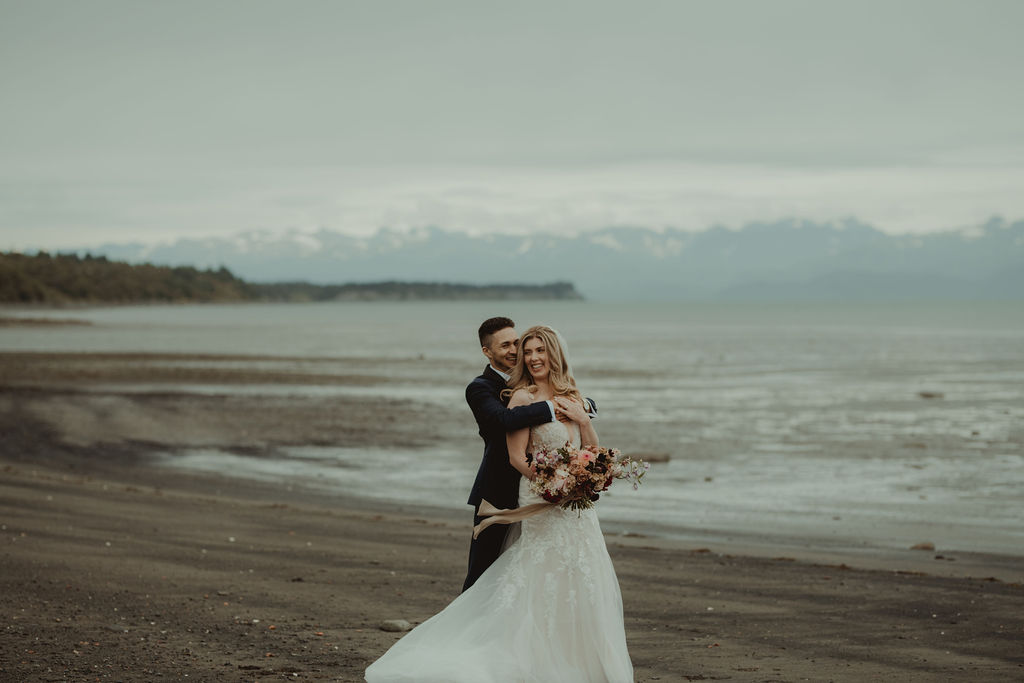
<point x="502" y="349"/>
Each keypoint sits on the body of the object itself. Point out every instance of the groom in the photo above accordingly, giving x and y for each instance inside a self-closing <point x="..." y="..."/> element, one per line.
<point x="496" y="480"/>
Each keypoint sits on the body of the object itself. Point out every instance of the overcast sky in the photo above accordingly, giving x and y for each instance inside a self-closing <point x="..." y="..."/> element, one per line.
<point x="146" y="121"/>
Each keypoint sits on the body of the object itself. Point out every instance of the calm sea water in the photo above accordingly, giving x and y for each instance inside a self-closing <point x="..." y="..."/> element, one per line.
<point x="846" y="426"/>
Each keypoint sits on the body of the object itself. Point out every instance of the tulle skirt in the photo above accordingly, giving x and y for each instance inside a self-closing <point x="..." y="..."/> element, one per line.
<point x="548" y="609"/>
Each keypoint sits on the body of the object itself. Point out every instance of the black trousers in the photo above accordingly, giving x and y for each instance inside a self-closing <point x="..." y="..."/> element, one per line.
<point x="484" y="550"/>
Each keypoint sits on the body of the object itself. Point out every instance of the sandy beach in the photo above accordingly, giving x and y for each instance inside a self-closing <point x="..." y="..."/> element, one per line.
<point x="114" y="568"/>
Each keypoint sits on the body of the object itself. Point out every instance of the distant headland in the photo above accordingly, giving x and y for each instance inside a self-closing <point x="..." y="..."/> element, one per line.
<point x="71" y="279"/>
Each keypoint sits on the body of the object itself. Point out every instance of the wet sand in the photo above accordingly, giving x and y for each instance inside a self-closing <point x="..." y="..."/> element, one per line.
<point x="114" y="569"/>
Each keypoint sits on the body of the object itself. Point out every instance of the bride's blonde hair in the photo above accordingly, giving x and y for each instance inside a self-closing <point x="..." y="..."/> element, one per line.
<point x="560" y="377"/>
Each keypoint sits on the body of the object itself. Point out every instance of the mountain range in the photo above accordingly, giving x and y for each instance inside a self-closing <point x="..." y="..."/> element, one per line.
<point x="783" y="260"/>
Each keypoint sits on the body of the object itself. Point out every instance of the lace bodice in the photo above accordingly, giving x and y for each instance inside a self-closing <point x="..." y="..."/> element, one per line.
<point x="551" y="435"/>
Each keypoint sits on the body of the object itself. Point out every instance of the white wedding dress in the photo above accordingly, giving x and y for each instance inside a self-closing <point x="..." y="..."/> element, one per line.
<point x="549" y="608"/>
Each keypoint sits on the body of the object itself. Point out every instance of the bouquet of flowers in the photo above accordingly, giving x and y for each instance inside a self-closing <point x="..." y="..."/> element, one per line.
<point x="574" y="477"/>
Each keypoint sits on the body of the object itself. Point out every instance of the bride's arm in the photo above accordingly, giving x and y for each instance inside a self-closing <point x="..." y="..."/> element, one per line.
<point x="588" y="436"/>
<point x="518" y="440"/>
<point x="578" y="414"/>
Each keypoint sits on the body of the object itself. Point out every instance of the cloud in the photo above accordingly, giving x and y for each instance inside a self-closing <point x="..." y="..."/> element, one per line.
<point x="511" y="117"/>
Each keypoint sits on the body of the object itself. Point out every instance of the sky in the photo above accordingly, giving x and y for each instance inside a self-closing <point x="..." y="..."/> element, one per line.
<point x="127" y="121"/>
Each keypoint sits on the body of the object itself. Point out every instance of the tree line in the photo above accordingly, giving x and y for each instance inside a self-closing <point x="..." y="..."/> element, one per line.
<point x="56" y="279"/>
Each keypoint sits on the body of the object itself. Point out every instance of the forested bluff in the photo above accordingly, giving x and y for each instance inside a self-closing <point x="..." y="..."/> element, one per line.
<point x="73" y="279"/>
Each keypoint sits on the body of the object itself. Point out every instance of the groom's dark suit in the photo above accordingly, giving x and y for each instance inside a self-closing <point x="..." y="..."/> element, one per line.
<point x="496" y="480"/>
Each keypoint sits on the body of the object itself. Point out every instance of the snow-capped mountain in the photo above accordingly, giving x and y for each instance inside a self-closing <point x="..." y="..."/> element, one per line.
<point x="787" y="259"/>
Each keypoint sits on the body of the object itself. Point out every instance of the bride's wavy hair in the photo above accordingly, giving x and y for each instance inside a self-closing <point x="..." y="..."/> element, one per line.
<point x="560" y="378"/>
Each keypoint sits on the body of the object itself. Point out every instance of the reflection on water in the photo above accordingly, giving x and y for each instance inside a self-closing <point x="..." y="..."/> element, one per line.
<point x="781" y="493"/>
<point x="388" y="474"/>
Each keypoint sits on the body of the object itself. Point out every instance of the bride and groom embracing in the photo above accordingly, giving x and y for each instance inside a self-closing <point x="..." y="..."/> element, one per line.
<point x="541" y="601"/>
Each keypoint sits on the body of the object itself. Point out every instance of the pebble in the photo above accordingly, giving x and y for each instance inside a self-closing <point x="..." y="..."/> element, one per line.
<point x="395" y="625"/>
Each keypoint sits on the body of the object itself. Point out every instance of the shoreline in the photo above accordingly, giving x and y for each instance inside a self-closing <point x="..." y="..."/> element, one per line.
<point x="153" y="429"/>
<point x="139" y="405"/>
<point x="949" y="563"/>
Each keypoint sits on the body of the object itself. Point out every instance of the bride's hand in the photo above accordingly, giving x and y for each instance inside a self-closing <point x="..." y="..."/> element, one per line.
<point x="571" y="409"/>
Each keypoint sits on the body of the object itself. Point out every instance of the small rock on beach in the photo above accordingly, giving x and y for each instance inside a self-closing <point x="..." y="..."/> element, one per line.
<point x="395" y="625"/>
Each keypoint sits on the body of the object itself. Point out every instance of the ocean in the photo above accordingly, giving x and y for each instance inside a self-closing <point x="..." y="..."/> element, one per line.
<point x="839" y="426"/>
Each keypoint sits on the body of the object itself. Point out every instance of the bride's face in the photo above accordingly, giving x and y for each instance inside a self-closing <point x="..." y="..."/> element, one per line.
<point x="535" y="357"/>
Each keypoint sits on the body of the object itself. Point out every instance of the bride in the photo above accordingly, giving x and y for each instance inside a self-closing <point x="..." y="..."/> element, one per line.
<point x="549" y="608"/>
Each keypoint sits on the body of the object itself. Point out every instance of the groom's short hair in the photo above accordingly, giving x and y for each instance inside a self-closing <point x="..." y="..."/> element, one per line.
<point x="492" y="325"/>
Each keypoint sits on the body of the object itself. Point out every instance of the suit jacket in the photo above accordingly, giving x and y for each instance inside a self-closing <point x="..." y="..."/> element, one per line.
<point x="497" y="480"/>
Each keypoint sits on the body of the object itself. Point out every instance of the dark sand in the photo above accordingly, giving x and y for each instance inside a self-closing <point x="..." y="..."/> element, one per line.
<point x="114" y="569"/>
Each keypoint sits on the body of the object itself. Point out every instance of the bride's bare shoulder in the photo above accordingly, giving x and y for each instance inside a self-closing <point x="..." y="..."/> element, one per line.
<point x="520" y="397"/>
